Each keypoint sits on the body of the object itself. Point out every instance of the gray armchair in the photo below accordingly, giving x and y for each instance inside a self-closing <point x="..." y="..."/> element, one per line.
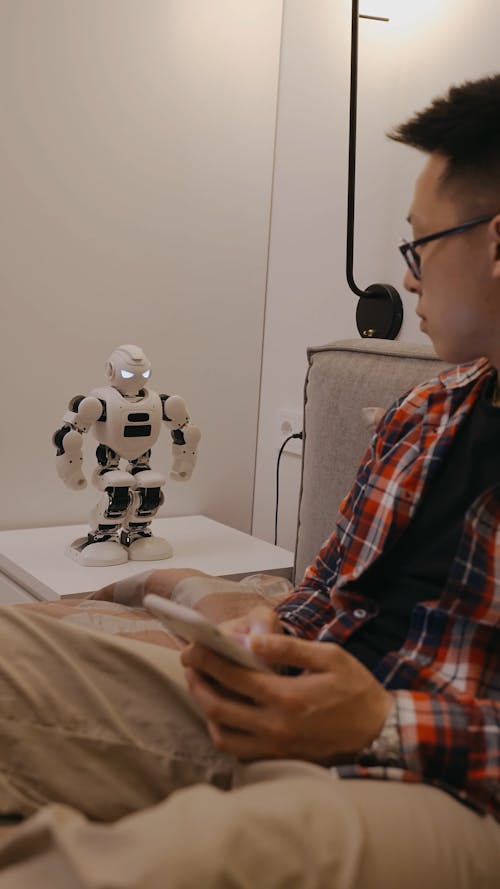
<point x="344" y="377"/>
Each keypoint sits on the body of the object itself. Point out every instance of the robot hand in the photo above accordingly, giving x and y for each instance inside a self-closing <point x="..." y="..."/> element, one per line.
<point x="69" y="463"/>
<point x="184" y="455"/>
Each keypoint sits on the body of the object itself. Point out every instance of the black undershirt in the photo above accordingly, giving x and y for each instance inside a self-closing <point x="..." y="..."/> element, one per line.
<point x="415" y="569"/>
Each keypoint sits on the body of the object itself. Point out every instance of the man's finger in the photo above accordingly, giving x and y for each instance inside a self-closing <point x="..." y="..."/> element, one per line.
<point x="263" y="619"/>
<point x="261" y="687"/>
<point x="292" y="652"/>
<point x="246" y="730"/>
<point x="234" y="714"/>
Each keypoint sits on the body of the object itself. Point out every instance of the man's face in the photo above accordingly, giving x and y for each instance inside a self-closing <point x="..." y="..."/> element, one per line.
<point x="459" y="290"/>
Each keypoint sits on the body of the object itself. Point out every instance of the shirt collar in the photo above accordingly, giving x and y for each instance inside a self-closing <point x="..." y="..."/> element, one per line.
<point x="464" y="374"/>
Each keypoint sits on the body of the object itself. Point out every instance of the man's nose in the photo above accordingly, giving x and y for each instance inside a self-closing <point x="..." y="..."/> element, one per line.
<point x="411" y="283"/>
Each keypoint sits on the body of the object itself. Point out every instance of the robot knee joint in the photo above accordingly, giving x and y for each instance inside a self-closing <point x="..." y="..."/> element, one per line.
<point x="119" y="502"/>
<point x="150" y="500"/>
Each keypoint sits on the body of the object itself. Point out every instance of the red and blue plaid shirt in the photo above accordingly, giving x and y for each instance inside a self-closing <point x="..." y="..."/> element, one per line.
<point x="446" y="676"/>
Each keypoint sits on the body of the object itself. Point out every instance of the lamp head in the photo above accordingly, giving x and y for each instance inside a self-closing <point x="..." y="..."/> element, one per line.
<point x="379" y="312"/>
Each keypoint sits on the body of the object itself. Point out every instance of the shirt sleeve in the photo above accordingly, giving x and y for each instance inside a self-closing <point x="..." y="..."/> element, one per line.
<point x="452" y="741"/>
<point x="308" y="608"/>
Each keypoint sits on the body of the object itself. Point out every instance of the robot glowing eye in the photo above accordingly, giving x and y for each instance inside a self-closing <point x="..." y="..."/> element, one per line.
<point x="126" y="374"/>
<point x="147" y="374"/>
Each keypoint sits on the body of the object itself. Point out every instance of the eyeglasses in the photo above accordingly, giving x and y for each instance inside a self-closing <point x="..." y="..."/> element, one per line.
<point x="408" y="248"/>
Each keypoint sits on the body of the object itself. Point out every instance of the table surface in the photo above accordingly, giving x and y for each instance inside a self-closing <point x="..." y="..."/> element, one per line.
<point x="35" y="558"/>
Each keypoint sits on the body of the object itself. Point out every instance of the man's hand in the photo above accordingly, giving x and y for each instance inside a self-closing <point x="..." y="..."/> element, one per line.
<point x="328" y="713"/>
<point x="261" y="619"/>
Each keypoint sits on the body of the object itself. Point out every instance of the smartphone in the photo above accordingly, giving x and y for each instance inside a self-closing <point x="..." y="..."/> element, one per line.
<point x="191" y="626"/>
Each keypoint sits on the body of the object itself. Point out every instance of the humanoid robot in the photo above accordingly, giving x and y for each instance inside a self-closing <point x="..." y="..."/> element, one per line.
<point x="126" y="419"/>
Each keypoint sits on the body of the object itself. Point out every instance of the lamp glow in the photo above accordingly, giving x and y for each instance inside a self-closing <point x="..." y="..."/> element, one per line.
<point x="405" y="15"/>
<point x="376" y="9"/>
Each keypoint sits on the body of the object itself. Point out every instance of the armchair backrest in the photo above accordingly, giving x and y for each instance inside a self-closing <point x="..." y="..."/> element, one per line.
<point x="342" y="378"/>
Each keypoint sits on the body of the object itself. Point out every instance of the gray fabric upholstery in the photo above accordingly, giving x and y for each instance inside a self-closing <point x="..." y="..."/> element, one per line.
<point x="342" y="378"/>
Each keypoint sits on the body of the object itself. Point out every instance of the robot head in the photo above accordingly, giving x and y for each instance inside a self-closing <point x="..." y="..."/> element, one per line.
<point x="128" y="370"/>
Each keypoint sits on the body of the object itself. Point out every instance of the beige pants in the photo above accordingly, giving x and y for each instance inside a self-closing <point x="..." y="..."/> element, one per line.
<point x="97" y="729"/>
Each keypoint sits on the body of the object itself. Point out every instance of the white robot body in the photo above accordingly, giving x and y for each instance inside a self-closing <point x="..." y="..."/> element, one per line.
<point x="126" y="419"/>
<point x="113" y="478"/>
<point x="131" y="426"/>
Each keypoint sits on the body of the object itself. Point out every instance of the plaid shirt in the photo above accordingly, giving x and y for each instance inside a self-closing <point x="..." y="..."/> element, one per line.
<point x="446" y="677"/>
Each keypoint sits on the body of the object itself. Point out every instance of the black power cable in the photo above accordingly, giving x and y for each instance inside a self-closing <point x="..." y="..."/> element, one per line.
<point x="295" y="435"/>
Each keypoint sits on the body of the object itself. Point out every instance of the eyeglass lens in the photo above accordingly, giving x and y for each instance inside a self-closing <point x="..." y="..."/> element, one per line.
<point x="411" y="258"/>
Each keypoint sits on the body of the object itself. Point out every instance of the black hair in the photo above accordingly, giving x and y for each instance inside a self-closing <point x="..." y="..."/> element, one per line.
<point x="464" y="126"/>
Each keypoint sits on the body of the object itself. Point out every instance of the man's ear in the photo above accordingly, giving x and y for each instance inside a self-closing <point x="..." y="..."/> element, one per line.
<point x="494" y="232"/>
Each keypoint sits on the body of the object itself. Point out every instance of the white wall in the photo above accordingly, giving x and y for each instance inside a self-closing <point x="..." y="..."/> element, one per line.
<point x="136" y="165"/>
<point x="135" y="178"/>
<point x="403" y="65"/>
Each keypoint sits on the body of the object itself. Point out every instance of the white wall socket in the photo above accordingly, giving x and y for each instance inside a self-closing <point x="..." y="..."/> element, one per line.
<point x="289" y="422"/>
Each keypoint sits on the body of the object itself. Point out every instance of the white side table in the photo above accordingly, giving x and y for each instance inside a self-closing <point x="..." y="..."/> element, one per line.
<point x="33" y="564"/>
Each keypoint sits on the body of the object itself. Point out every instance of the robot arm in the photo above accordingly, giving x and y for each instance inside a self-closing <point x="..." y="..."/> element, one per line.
<point x="82" y="413"/>
<point x="184" y="452"/>
<point x="185" y="437"/>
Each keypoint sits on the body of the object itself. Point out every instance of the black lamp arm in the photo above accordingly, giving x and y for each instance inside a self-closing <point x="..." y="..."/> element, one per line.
<point x="351" y="181"/>
<point x="384" y="320"/>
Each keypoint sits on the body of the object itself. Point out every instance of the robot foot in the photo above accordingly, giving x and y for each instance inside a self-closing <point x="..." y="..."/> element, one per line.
<point x="145" y="549"/>
<point x="97" y="555"/>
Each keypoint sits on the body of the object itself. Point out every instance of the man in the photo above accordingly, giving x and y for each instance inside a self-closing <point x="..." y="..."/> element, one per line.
<point x="406" y="590"/>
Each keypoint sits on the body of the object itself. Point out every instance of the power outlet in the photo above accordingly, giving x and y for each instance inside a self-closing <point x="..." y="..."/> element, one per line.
<point x="289" y="422"/>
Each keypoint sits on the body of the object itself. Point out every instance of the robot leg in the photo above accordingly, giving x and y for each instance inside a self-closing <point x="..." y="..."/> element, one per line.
<point x="136" y="534"/>
<point x="102" y="546"/>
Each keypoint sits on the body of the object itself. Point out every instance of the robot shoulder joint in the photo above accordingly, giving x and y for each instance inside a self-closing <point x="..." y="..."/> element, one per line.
<point x="75" y="402"/>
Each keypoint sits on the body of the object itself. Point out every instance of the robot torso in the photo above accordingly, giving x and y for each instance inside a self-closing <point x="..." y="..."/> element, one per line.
<point x="130" y="426"/>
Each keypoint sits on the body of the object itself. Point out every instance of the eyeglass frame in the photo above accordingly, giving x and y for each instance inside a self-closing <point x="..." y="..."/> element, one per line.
<point x="412" y="258"/>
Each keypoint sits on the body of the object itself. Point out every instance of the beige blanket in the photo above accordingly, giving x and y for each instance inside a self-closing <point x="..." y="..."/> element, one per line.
<point x="230" y="600"/>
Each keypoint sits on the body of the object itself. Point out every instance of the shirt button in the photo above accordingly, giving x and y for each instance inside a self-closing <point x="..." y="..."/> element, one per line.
<point x="359" y="613"/>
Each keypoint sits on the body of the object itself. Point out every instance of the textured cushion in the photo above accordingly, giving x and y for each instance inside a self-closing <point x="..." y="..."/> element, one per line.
<point x="343" y="378"/>
<point x="218" y="599"/>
